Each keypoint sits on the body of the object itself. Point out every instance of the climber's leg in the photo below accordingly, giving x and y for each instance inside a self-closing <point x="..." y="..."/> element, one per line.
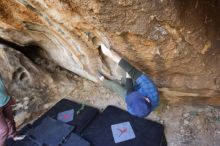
<point x="9" y="115"/>
<point x="131" y="70"/>
<point x="129" y="84"/>
<point x="4" y="130"/>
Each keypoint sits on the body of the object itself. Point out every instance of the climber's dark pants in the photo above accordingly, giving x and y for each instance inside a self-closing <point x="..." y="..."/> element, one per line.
<point x="131" y="70"/>
<point x="128" y="88"/>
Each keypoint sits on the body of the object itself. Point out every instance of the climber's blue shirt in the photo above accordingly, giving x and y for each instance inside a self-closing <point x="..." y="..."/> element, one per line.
<point x="4" y="98"/>
<point x="147" y="88"/>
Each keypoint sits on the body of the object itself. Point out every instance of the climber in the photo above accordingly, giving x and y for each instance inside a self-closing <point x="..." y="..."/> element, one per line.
<point x="7" y="123"/>
<point x="142" y="97"/>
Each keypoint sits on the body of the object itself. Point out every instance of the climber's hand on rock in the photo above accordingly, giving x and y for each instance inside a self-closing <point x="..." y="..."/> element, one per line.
<point x="110" y="53"/>
<point x="106" y="50"/>
<point x="100" y="76"/>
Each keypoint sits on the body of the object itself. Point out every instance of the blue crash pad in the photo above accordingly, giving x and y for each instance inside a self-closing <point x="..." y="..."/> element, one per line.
<point x="50" y="132"/>
<point x="83" y="114"/>
<point x="75" y="140"/>
<point x="116" y="127"/>
<point x="24" y="142"/>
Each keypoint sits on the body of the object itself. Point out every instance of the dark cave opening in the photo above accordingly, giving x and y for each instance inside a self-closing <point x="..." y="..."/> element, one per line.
<point x="36" y="55"/>
<point x="31" y="51"/>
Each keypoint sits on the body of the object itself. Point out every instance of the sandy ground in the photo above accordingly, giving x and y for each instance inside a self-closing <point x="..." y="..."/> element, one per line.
<point x="185" y="125"/>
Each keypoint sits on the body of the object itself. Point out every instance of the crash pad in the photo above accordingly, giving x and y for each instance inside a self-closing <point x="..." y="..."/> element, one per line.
<point x="75" y="140"/>
<point x="116" y="127"/>
<point x="83" y="114"/>
<point x="50" y="132"/>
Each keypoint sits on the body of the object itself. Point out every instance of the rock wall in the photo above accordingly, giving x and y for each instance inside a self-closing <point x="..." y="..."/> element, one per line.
<point x="32" y="87"/>
<point x="175" y="42"/>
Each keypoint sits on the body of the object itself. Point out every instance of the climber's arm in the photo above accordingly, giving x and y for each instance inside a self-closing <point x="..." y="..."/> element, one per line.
<point x="115" y="87"/>
<point x="129" y="84"/>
